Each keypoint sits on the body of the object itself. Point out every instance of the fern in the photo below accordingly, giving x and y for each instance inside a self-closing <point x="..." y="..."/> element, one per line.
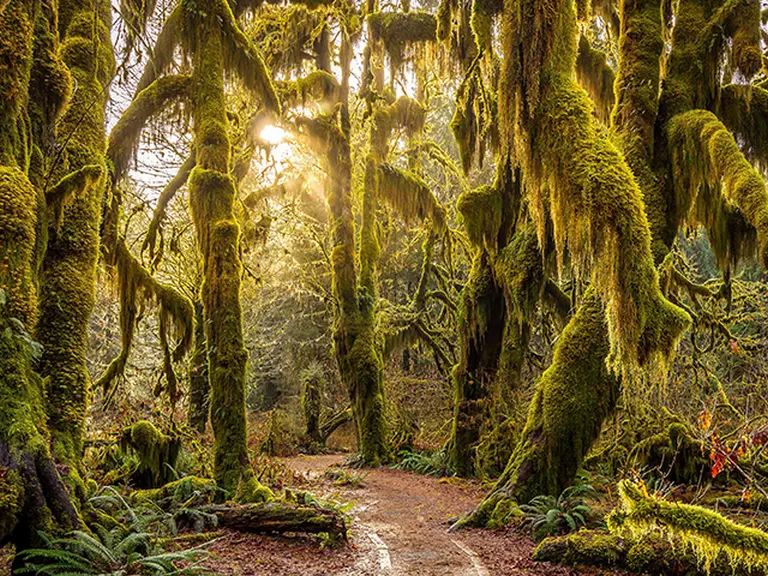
<point x="550" y="516"/>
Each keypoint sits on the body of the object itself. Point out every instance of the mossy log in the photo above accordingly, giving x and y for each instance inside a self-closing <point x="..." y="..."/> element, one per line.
<point x="279" y="517"/>
<point x="652" y="554"/>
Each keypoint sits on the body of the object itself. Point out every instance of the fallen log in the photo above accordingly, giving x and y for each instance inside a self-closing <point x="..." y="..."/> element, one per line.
<point x="279" y="517"/>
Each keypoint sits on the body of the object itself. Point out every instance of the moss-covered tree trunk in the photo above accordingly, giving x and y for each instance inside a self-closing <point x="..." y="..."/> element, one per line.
<point x="68" y="276"/>
<point x="212" y="195"/>
<point x="359" y="360"/>
<point x="32" y="496"/>
<point x="481" y="329"/>
<point x="199" y="387"/>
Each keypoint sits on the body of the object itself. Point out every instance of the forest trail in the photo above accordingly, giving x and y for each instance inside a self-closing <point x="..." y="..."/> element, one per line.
<point x="404" y="515"/>
<point x="400" y="529"/>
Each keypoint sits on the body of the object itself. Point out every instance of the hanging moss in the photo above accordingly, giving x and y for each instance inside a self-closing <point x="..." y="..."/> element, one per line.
<point x="410" y="196"/>
<point x="405" y="113"/>
<point x="158" y="214"/>
<point x="157" y="453"/>
<point x="481" y="213"/>
<point x="742" y="24"/>
<point x="596" y="77"/>
<point x="124" y="137"/>
<point x="399" y="30"/>
<point x="135" y="284"/>
<point x="744" y="111"/>
<point x="317" y="86"/>
<point x="474" y="118"/>
<point x="598" y="213"/>
<point x="706" y="158"/>
<point x="481" y="22"/>
<point x="706" y="533"/>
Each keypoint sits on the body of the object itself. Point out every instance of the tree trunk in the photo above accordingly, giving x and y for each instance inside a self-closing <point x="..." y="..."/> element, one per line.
<point x="575" y="394"/>
<point x="32" y="496"/>
<point x="482" y="334"/>
<point x="199" y="386"/>
<point x="212" y="195"/>
<point x="68" y="277"/>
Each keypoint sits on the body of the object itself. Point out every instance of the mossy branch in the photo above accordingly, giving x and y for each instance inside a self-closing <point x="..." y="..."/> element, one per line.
<point x="124" y="138"/>
<point x="179" y="180"/>
<point x="598" y="214"/>
<point x="245" y="60"/>
<point x="712" y="175"/>
<point x="706" y="532"/>
<point x="176" y="310"/>
<point x="163" y="52"/>
<point x="410" y="196"/>
<point x="398" y="30"/>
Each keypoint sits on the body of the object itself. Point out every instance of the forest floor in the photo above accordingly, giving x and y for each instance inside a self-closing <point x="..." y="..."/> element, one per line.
<point x="399" y="529"/>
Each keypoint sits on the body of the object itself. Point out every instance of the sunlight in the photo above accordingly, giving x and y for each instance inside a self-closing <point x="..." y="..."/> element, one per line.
<point x="272" y="134"/>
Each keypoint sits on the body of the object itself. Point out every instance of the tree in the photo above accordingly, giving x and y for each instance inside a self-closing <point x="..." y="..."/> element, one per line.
<point x="616" y="210"/>
<point x="215" y="45"/>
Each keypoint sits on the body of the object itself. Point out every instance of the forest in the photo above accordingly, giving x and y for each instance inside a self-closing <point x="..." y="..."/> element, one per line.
<point x="383" y="287"/>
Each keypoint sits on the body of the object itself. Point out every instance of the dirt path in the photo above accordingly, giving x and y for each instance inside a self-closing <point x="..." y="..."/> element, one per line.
<point x="404" y="516"/>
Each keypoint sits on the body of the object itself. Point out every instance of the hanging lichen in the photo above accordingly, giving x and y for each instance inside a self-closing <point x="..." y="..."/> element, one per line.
<point x="410" y="196"/>
<point x="399" y="30"/>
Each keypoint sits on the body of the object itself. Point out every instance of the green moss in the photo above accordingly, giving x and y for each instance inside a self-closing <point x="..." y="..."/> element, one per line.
<point x="708" y="534"/>
<point x="712" y="179"/>
<point x="583" y="548"/>
<point x="157" y="454"/>
<point x="16" y="28"/>
<point x="11" y="499"/>
<point x="481" y="213"/>
<point x="399" y="30"/>
<point x="481" y="22"/>
<point x="676" y="451"/>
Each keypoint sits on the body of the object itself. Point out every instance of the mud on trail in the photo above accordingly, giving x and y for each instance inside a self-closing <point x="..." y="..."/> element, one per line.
<point x="399" y="529"/>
